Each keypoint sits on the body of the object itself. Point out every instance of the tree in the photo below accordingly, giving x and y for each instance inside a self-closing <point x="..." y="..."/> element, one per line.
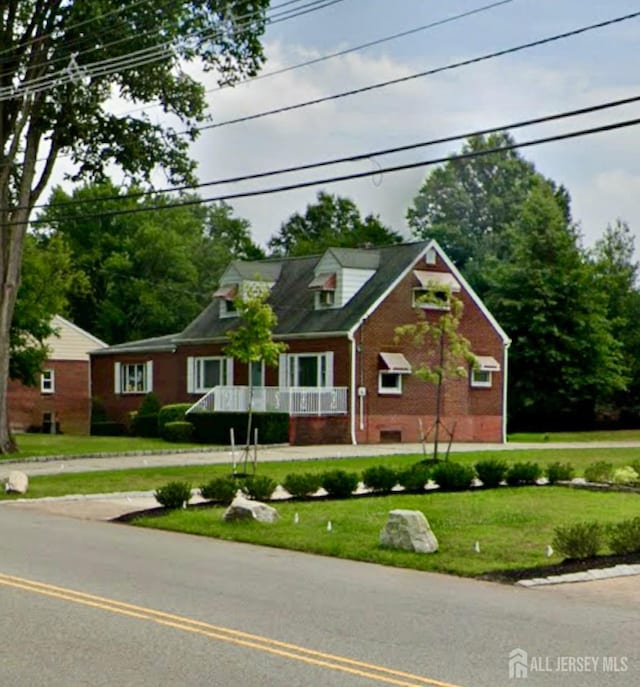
<point x="564" y="359"/>
<point x="252" y="342"/>
<point x="470" y="205"/>
<point x="616" y="273"/>
<point x="333" y="221"/>
<point x="48" y="275"/>
<point x="63" y="63"/>
<point x="149" y="273"/>
<point x="444" y="352"/>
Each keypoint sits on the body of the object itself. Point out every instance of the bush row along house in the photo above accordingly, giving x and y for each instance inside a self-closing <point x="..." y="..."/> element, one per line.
<point x="62" y="401"/>
<point x="344" y="377"/>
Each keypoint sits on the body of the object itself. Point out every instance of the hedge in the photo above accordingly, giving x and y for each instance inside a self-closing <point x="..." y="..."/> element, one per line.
<point x="214" y="428"/>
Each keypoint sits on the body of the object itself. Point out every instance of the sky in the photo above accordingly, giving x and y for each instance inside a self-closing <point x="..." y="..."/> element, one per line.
<point x="601" y="172"/>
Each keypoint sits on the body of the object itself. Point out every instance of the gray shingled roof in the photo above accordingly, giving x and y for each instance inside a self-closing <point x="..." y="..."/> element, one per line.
<point x="293" y="301"/>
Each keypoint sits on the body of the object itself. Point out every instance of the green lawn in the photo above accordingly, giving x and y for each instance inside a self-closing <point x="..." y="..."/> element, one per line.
<point x="30" y="445"/>
<point x="513" y="526"/>
<point x="145" y="479"/>
<point x="602" y="435"/>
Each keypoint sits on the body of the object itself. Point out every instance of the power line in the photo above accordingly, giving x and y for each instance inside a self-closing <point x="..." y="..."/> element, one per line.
<point x="429" y="72"/>
<point x="348" y="177"/>
<point x="590" y="109"/>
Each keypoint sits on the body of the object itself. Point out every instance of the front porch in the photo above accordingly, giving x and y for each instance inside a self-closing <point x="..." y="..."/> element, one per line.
<point x="296" y="401"/>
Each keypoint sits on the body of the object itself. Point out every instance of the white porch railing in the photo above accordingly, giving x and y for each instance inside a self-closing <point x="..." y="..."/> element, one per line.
<point x="270" y="399"/>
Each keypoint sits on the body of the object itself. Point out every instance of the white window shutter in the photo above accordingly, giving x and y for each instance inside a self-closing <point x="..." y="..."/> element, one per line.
<point x="229" y="375"/>
<point x="117" y="387"/>
<point x="283" y="371"/>
<point x="328" y="356"/>
<point x="191" y="384"/>
<point x="149" y="375"/>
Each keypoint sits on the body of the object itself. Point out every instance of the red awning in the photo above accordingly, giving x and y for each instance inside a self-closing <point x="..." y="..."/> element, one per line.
<point x="324" y="282"/>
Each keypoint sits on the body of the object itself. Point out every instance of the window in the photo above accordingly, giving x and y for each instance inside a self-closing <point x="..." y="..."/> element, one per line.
<point x="326" y="298"/>
<point x="257" y="373"/>
<point x="209" y="372"/>
<point x="482" y="373"/>
<point x="481" y="378"/>
<point x="134" y="378"/>
<point x="431" y="299"/>
<point x="389" y="382"/>
<point x="47" y="382"/>
<point x="307" y="370"/>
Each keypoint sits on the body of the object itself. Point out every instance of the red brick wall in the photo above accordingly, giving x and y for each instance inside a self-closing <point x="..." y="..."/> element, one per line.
<point x="306" y="431"/>
<point x="70" y="402"/>
<point x="476" y="413"/>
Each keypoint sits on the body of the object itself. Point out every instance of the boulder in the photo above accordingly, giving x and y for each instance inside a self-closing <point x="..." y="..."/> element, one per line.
<point x="17" y="482"/>
<point x="244" y="509"/>
<point x="408" y="530"/>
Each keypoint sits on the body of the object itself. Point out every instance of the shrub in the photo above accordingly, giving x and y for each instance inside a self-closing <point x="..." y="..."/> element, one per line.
<point x="107" y="429"/>
<point x="624" y="537"/>
<point x="523" y="473"/>
<point x="339" y="484"/>
<point x="582" y="540"/>
<point x="491" y="471"/>
<point x="599" y="472"/>
<point x="380" y="478"/>
<point x="625" y="475"/>
<point x="174" y="495"/>
<point x="557" y="472"/>
<point x="452" y="476"/>
<point x="150" y="405"/>
<point x="221" y="489"/>
<point x="175" y="412"/>
<point x="635" y="464"/>
<point x="214" y="428"/>
<point x="302" y="484"/>
<point x="259" y="487"/>
<point x="415" y="477"/>
<point x="178" y="432"/>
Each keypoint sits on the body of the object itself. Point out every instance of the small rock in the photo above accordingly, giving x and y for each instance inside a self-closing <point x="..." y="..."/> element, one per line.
<point x="17" y="482"/>
<point x="408" y="530"/>
<point x="244" y="509"/>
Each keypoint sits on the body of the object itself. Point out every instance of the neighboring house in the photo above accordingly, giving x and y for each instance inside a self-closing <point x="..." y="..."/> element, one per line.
<point x="63" y="396"/>
<point x="344" y="378"/>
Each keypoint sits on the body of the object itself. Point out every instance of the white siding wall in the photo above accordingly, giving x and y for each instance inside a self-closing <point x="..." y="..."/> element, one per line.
<point x="351" y="282"/>
<point x="72" y="343"/>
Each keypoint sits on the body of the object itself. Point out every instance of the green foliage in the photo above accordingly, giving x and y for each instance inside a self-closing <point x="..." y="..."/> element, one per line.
<point x="220" y="489"/>
<point x="492" y="471"/>
<point x="415" y="477"/>
<point x="624" y="537"/>
<point x="380" y="478"/>
<point x="144" y="425"/>
<point x="150" y="405"/>
<point x="213" y="428"/>
<point x="178" y="432"/>
<point x="259" y="487"/>
<point x="557" y="472"/>
<point x="523" y="473"/>
<point x="339" y="483"/>
<point x="451" y="476"/>
<point x="302" y="484"/>
<point x="625" y="475"/>
<point x="173" y="495"/>
<point x="175" y="412"/>
<point x="600" y="472"/>
<point x="582" y="540"/>
<point x="107" y="428"/>
<point x="635" y="464"/>
<point x="331" y="222"/>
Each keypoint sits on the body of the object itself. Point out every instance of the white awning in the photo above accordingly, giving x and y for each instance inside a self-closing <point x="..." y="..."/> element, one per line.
<point x="324" y="282"/>
<point x="429" y="279"/>
<point x="487" y="364"/>
<point x="396" y="362"/>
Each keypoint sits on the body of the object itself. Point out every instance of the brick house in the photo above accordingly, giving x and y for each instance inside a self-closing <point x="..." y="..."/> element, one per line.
<point x="344" y="378"/>
<point x="64" y="393"/>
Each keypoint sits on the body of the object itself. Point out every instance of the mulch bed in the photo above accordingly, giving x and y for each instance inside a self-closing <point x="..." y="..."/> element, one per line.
<point x="563" y="568"/>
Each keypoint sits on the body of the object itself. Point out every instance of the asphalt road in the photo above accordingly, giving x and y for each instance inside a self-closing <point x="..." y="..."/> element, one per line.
<point x="91" y="603"/>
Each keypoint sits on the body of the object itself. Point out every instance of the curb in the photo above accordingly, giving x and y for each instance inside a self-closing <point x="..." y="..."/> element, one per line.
<point x="621" y="570"/>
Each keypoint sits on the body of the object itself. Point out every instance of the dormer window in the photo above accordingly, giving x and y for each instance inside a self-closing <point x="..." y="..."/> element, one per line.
<point x="227" y="294"/>
<point x="325" y="287"/>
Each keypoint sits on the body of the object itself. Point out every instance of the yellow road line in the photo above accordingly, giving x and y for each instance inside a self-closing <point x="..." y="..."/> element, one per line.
<point x="237" y="637"/>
